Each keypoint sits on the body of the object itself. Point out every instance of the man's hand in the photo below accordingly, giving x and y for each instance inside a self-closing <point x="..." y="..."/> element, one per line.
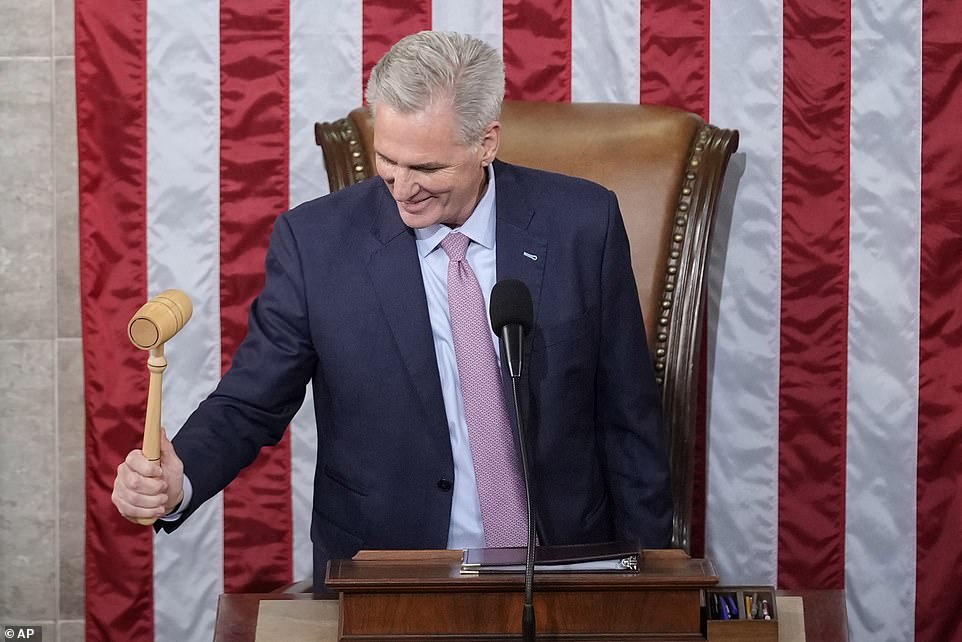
<point x="145" y="489"/>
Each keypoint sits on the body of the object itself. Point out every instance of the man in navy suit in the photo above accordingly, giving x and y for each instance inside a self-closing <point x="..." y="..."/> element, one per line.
<point x="355" y="303"/>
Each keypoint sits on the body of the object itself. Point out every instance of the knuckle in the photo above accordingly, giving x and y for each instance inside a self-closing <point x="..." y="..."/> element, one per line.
<point x="135" y="483"/>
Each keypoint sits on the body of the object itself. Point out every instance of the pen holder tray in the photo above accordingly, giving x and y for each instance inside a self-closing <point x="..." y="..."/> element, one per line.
<point x="741" y="613"/>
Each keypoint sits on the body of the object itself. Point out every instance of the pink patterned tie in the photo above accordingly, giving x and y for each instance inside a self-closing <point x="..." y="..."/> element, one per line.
<point x="496" y="466"/>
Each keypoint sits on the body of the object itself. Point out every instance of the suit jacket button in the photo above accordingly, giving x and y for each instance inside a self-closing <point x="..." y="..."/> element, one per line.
<point x="445" y="484"/>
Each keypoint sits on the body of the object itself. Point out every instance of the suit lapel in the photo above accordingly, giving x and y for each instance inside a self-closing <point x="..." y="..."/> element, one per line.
<point x="395" y="272"/>
<point x="521" y="253"/>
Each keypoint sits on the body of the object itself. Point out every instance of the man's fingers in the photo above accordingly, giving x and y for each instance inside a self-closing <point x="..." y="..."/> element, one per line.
<point x="134" y="505"/>
<point x="134" y="513"/>
<point x="144" y="488"/>
<point x="143" y="505"/>
<point x="138" y="483"/>
<point x="141" y="487"/>
<point x="139" y="464"/>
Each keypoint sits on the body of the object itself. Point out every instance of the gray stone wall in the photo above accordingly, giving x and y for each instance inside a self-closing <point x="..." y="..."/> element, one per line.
<point x="41" y="365"/>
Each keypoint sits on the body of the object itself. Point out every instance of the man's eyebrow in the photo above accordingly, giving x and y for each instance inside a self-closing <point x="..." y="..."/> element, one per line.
<point x="420" y="167"/>
<point x="428" y="166"/>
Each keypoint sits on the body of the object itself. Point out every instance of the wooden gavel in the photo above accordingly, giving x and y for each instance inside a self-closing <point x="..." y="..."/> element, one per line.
<point x="149" y="329"/>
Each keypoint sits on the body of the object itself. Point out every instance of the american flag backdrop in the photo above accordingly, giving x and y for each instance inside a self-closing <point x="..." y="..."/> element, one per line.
<point x="834" y="415"/>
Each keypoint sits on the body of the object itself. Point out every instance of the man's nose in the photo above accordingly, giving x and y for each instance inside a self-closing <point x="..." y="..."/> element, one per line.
<point x="404" y="186"/>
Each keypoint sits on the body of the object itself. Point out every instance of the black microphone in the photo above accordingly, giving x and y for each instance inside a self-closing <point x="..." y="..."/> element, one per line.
<point x="512" y="314"/>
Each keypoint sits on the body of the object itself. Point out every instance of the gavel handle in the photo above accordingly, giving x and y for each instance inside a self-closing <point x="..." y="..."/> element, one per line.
<point x="156" y="364"/>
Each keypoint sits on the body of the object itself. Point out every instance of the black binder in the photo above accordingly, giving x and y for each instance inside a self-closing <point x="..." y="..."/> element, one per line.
<point x="607" y="557"/>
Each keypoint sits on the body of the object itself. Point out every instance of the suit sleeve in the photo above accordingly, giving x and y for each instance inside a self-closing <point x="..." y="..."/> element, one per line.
<point x="629" y="403"/>
<point x="264" y="387"/>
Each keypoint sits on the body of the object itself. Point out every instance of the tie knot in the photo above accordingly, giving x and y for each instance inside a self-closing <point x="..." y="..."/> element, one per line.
<point x="455" y="245"/>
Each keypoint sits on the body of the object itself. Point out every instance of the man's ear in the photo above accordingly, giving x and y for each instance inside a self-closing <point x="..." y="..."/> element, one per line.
<point x="490" y="143"/>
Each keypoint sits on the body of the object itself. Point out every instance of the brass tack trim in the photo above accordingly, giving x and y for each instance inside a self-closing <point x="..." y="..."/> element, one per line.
<point x="676" y="248"/>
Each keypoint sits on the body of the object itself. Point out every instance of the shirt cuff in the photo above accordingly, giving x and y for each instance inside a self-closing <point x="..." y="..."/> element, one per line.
<point x="179" y="509"/>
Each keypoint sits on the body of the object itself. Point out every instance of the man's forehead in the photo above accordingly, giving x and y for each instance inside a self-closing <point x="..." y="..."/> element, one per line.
<point x="417" y="136"/>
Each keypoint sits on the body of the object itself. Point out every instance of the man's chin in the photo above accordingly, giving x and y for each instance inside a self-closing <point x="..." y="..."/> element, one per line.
<point x="418" y="219"/>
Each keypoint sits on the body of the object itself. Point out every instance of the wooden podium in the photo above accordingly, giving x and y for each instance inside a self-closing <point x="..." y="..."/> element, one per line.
<point x="422" y="595"/>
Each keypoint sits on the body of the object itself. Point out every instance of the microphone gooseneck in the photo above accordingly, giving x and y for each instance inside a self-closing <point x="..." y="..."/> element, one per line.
<point x="527" y="613"/>
<point x="512" y="314"/>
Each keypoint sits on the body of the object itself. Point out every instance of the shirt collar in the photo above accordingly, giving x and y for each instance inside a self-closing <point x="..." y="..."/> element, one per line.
<point x="480" y="226"/>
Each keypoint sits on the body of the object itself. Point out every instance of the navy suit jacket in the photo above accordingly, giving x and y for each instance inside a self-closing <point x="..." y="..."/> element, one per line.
<point x="344" y="307"/>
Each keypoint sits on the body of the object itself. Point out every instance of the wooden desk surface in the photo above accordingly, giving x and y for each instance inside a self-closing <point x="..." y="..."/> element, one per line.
<point x="826" y="618"/>
<point x="825" y="614"/>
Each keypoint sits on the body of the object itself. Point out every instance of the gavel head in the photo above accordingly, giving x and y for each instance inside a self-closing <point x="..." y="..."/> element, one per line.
<point x="159" y="319"/>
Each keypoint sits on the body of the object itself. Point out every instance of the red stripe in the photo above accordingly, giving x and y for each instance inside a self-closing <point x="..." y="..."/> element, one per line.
<point x="537" y="49"/>
<point x="939" y="547"/>
<point x="111" y="136"/>
<point x="814" y="315"/>
<point x="674" y="71"/>
<point x="384" y="22"/>
<point x="254" y="36"/>
<point x="674" y="54"/>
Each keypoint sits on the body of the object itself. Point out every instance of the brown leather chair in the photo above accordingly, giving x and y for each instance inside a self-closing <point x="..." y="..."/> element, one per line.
<point x="666" y="166"/>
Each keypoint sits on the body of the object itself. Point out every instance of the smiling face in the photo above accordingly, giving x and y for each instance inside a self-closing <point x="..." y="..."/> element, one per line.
<point x="432" y="175"/>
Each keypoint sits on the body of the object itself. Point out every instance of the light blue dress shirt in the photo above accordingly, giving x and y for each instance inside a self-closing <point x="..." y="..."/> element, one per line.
<point x="465" y="529"/>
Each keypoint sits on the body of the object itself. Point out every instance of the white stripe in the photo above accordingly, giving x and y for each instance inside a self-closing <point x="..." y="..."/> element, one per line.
<point x="303" y="465"/>
<point x="744" y="289"/>
<point x="883" y="331"/>
<point x="325" y="69"/>
<point x="183" y="107"/>
<point x="483" y="19"/>
<point x="605" y="51"/>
